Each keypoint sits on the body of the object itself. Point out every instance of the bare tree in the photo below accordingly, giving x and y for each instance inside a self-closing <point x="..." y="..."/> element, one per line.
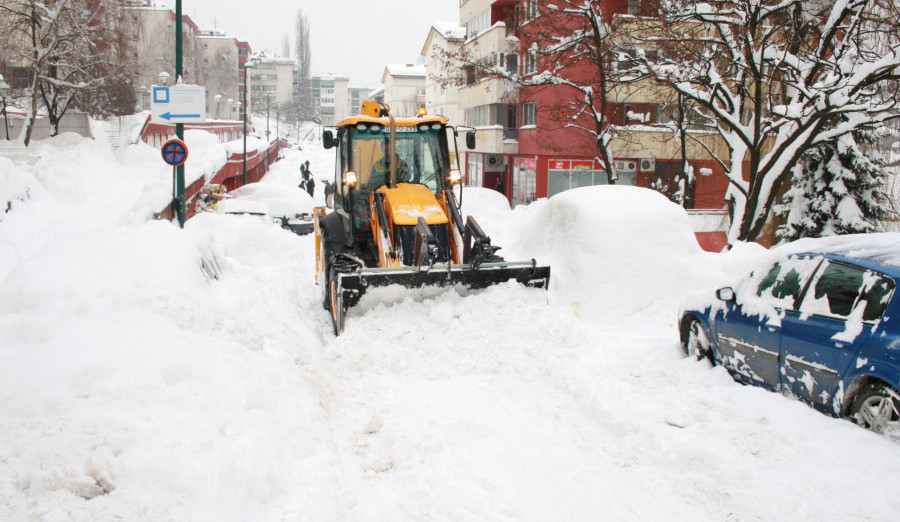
<point x="303" y="54"/>
<point x="286" y="46"/>
<point x="59" y="42"/>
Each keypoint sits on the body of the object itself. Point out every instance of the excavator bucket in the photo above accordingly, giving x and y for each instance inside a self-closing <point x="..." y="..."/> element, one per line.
<point x="348" y="287"/>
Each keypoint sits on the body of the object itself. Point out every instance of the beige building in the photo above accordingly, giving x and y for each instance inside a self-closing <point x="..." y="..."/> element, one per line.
<point x="443" y="37"/>
<point x="489" y="104"/>
<point x="273" y="77"/>
<point x="404" y="88"/>
<point x="152" y="30"/>
<point x="219" y="58"/>
<point x="331" y="98"/>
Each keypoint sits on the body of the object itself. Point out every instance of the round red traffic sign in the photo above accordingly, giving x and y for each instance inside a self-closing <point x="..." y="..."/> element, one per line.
<point x="174" y="152"/>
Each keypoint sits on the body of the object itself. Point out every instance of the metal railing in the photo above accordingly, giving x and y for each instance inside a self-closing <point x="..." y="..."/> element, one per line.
<point x="19" y="155"/>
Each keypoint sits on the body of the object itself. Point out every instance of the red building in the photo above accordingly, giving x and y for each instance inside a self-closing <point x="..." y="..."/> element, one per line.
<point x="535" y="144"/>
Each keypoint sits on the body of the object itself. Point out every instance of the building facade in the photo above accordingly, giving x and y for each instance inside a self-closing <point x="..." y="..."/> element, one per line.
<point x="152" y="57"/>
<point x="404" y="88"/>
<point x="489" y="104"/>
<point x="219" y="56"/>
<point x="532" y="144"/>
<point x="442" y="97"/>
<point x="330" y="98"/>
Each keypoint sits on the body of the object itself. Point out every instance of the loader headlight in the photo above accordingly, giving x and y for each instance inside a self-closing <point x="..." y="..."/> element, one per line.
<point x="435" y="126"/>
<point x="455" y="177"/>
<point x="350" y="179"/>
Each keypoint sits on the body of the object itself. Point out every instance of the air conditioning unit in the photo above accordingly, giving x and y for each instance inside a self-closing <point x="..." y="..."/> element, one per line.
<point x="626" y="166"/>
<point x="495" y="163"/>
<point x="647" y="165"/>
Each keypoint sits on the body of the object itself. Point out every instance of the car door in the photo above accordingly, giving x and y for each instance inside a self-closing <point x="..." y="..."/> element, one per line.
<point x="748" y="330"/>
<point x="835" y="319"/>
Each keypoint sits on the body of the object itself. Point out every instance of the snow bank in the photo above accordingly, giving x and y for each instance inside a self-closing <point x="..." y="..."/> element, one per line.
<point x="277" y="199"/>
<point x="604" y="247"/>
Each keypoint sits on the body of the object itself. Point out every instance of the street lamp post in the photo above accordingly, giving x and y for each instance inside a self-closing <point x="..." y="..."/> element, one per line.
<point x="4" y="89"/>
<point x="268" y="145"/>
<point x="246" y="73"/>
<point x="230" y="110"/>
<point x="218" y="101"/>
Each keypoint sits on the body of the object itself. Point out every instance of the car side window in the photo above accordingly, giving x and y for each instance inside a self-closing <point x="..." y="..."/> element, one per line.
<point x="840" y="289"/>
<point x="785" y="280"/>
<point x="877" y="291"/>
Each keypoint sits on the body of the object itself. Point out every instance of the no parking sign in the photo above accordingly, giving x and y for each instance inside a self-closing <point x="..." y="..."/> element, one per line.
<point x="174" y="152"/>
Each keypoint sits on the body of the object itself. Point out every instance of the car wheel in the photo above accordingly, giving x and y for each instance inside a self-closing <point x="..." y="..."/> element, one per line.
<point x="695" y="341"/>
<point x="877" y="407"/>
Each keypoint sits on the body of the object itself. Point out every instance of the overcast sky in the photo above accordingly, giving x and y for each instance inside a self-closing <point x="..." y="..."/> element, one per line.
<point x="356" y="38"/>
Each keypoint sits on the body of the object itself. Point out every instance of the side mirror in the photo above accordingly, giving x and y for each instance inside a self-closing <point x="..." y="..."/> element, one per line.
<point x="725" y="294"/>
<point x="327" y="139"/>
<point x="470" y="140"/>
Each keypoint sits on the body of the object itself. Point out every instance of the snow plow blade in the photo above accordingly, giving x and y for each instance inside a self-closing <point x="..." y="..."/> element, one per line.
<point x="348" y="287"/>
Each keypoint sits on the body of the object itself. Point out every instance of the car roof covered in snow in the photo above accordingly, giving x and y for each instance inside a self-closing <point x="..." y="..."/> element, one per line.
<point x="879" y="252"/>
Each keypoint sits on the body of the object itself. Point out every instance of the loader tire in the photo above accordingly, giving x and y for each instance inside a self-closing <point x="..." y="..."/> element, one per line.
<point x="335" y="302"/>
<point x="332" y="243"/>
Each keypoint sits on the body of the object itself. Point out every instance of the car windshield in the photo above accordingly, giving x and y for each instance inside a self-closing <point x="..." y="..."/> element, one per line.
<point x="420" y="157"/>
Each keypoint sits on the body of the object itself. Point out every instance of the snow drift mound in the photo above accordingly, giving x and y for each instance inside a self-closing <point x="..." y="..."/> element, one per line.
<point x="613" y="250"/>
<point x="278" y="199"/>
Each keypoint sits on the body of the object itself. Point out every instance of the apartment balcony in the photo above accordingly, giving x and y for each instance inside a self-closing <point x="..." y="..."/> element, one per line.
<point x="495" y="139"/>
<point x="486" y="92"/>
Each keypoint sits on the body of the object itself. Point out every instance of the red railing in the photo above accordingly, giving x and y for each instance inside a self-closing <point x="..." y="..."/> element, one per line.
<point x="231" y="175"/>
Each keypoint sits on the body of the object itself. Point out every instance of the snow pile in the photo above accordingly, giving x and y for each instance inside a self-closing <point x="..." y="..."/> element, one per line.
<point x="207" y="155"/>
<point x="603" y="244"/>
<point x="277" y="199"/>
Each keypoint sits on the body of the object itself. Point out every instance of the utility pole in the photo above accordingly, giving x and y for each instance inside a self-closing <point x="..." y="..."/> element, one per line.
<point x="180" y="206"/>
<point x="244" y="105"/>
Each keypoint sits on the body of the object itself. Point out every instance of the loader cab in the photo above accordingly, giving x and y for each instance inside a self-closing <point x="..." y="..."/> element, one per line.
<point x="362" y="163"/>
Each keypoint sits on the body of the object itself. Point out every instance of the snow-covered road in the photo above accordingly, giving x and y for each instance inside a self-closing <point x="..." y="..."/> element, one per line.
<point x="133" y="387"/>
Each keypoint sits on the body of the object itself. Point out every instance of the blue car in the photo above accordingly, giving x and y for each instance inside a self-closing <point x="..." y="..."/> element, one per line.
<point x="820" y="321"/>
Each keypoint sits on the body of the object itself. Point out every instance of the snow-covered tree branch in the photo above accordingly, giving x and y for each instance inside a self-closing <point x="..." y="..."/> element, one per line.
<point x="572" y="47"/>
<point x="779" y="77"/>
<point x="62" y="43"/>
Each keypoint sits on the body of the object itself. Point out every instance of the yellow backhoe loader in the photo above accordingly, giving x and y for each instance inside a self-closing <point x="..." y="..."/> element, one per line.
<point x="396" y="219"/>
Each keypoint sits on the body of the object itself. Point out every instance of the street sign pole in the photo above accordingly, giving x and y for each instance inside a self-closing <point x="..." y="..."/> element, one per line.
<point x="180" y="206"/>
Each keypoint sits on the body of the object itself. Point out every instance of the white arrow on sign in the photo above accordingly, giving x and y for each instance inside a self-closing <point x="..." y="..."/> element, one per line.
<point x="178" y="103"/>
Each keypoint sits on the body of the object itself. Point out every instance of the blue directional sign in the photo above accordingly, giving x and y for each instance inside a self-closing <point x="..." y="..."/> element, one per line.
<point x="174" y="152"/>
<point x="178" y="103"/>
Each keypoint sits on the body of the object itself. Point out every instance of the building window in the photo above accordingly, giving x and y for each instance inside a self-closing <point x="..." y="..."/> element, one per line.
<point x="529" y="113"/>
<point x="530" y="10"/>
<point x="478" y="24"/>
<point x="512" y="63"/>
<point x="634" y="7"/>
<point x="477" y="116"/>
<point x="530" y="62"/>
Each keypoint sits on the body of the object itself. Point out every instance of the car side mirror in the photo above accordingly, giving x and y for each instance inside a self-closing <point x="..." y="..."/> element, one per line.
<point x="328" y="139"/>
<point x="725" y="294"/>
<point x="470" y="140"/>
